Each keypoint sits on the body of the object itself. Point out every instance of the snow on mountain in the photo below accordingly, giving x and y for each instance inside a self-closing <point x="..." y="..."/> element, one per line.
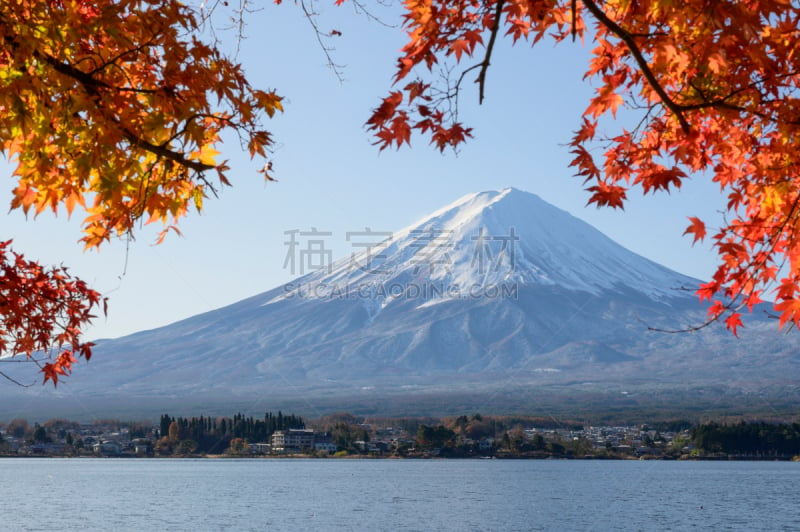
<point x="488" y="239"/>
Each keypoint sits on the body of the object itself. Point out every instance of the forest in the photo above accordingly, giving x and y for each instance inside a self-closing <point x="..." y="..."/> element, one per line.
<point x="757" y="439"/>
<point x="214" y="435"/>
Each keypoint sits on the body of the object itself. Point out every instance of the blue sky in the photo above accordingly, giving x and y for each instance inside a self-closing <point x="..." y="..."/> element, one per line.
<point x="333" y="179"/>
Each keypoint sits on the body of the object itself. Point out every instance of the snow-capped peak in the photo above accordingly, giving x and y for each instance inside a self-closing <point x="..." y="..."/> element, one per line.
<point x="499" y="237"/>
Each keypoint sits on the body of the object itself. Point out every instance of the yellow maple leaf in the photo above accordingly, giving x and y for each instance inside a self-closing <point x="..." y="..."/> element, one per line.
<point x="205" y="155"/>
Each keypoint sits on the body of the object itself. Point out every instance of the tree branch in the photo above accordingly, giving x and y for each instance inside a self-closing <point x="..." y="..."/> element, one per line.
<point x="93" y="86"/>
<point x="311" y="15"/>
<point x="628" y="39"/>
<point x="15" y="381"/>
<point x="498" y="12"/>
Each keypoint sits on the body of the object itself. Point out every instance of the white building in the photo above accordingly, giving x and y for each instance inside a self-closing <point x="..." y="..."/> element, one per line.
<point x="292" y="440"/>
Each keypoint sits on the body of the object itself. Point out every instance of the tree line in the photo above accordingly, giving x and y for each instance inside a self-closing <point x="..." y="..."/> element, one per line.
<point x="753" y="439"/>
<point x="213" y="435"/>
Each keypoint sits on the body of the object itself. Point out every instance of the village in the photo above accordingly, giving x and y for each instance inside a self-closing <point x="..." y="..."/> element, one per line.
<point x="347" y="436"/>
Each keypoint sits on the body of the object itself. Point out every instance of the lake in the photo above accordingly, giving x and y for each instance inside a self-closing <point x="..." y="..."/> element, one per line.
<point x="403" y="495"/>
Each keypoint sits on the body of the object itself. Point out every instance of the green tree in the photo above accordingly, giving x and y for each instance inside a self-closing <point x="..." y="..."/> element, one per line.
<point x="429" y="437"/>
<point x="164" y="425"/>
<point x="516" y="439"/>
<point x="185" y="447"/>
<point x="556" y="448"/>
<point x="345" y="435"/>
<point x="40" y="434"/>
<point x="581" y="447"/>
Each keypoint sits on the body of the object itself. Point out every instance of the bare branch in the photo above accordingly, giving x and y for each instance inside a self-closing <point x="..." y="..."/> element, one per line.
<point x="15" y="381"/>
<point x="498" y="12"/>
<point x="311" y="16"/>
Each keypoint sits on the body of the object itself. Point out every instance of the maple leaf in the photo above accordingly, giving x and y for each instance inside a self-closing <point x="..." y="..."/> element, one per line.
<point x="716" y="310"/>
<point x="386" y="110"/>
<point x="51" y="372"/>
<point x="697" y="228"/>
<point x="706" y="291"/>
<point x="789" y="310"/>
<point x="163" y="234"/>
<point x="205" y="155"/>
<point x="604" y="194"/>
<point x="733" y="322"/>
<point x="452" y="136"/>
<point x="607" y="99"/>
<point x="460" y="47"/>
<point x="585" y="133"/>
<point x="753" y="299"/>
<point x="585" y="163"/>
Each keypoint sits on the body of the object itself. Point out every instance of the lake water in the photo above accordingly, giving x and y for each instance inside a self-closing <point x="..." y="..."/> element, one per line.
<point x="403" y="495"/>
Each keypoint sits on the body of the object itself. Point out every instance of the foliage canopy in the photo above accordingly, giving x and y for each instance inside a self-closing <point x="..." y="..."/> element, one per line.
<point x="112" y="107"/>
<point x="716" y="88"/>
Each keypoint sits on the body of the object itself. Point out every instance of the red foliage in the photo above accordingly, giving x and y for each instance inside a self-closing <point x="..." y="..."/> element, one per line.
<point x="42" y="312"/>
<point x="717" y="86"/>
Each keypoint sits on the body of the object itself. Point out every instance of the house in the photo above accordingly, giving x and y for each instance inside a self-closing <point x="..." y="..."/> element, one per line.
<point x="324" y="442"/>
<point x="141" y="446"/>
<point x="327" y="446"/>
<point x="292" y="440"/>
<point x="485" y="444"/>
<point x="376" y="447"/>
<point x="107" y="448"/>
<point x="260" y="448"/>
<point x="43" y="449"/>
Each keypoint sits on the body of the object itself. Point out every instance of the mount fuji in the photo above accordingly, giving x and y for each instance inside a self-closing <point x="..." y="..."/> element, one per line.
<point x="496" y="301"/>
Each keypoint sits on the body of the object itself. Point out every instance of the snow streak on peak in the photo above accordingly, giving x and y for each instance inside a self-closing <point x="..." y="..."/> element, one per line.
<point x="496" y="238"/>
<point x="460" y="211"/>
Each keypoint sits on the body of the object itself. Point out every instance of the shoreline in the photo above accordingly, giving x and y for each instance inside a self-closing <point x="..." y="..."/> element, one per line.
<point x="301" y="456"/>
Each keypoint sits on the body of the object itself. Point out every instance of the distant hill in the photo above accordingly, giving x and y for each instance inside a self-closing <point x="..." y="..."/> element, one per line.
<point x="497" y="301"/>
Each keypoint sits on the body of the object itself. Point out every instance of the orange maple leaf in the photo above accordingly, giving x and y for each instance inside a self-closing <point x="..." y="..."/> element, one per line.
<point x="697" y="228"/>
<point x="605" y="195"/>
<point x="790" y="311"/>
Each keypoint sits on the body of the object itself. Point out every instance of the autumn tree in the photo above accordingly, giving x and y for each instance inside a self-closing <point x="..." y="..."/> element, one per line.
<point x="713" y="87"/>
<point x="173" y="433"/>
<point x="17" y="427"/>
<point x="238" y="446"/>
<point x="112" y="108"/>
